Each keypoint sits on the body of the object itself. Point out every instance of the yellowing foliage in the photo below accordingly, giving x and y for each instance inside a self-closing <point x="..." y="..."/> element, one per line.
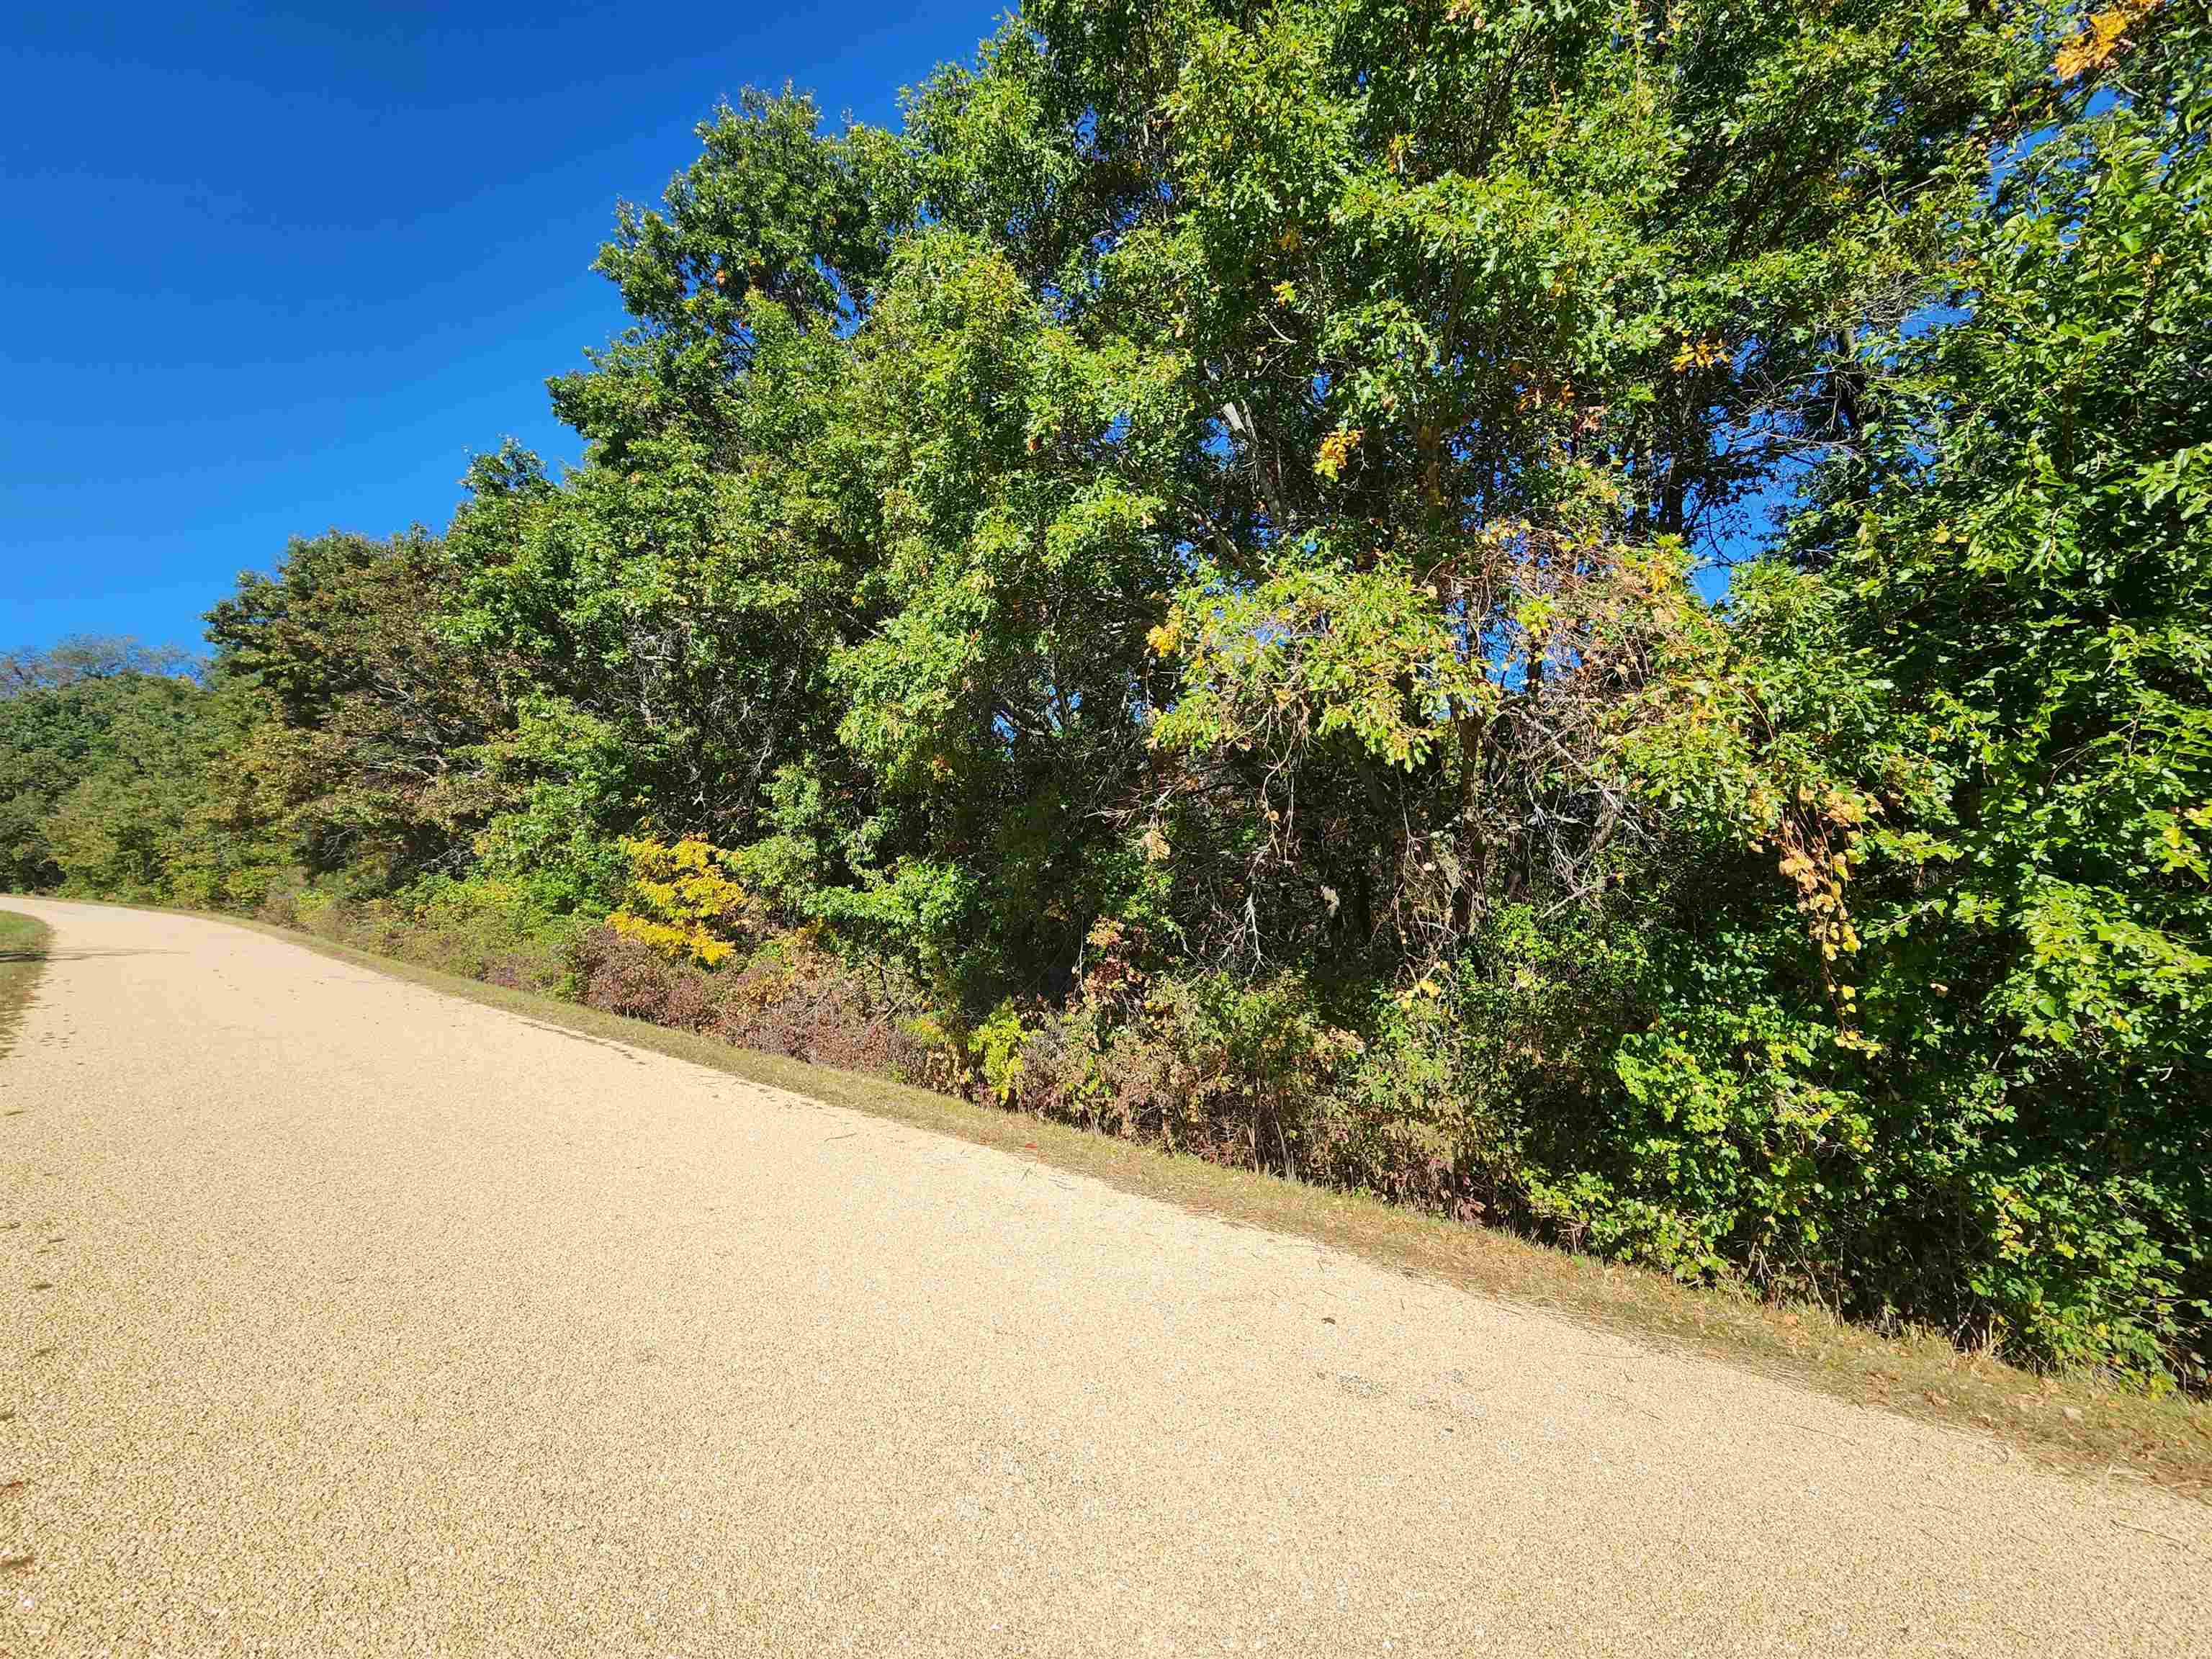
<point x="2101" y="40"/>
<point x="683" y="902"/>
<point x="1708" y="353"/>
<point x="1335" y="451"/>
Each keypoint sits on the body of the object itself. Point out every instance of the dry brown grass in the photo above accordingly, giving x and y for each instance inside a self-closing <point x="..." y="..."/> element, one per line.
<point x="2072" y="1423"/>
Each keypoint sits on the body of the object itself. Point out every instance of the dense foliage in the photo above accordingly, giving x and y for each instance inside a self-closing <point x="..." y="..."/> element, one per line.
<point x="1178" y="591"/>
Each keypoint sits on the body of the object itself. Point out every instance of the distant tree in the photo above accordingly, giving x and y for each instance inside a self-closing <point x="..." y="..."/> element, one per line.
<point x="89" y="657"/>
<point x="60" y="708"/>
<point x="375" y="722"/>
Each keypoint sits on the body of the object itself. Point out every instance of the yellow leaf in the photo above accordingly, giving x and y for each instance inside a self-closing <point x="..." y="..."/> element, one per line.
<point x="1336" y="450"/>
<point x="1699" y="354"/>
<point x="2101" y="40"/>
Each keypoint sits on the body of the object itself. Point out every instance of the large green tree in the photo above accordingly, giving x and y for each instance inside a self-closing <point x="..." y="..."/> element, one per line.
<point x="373" y="739"/>
<point x="2023" y="551"/>
<point x="67" y="712"/>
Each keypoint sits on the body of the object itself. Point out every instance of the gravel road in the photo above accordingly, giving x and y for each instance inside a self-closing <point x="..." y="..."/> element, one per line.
<point x="339" y="1316"/>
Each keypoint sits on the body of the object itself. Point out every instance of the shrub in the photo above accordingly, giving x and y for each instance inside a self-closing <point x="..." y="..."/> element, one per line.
<point x="1000" y="1043"/>
<point x="1242" y="1074"/>
<point x="684" y="900"/>
<point x="790" y="997"/>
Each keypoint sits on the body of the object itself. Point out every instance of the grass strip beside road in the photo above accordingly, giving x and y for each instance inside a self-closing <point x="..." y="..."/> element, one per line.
<point x="23" y="941"/>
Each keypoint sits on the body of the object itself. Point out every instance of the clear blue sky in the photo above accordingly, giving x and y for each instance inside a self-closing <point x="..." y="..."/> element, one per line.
<point x="275" y="270"/>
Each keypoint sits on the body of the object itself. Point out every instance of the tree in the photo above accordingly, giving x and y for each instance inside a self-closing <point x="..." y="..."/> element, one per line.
<point x="376" y="725"/>
<point x="2025" y="542"/>
<point x="60" y="711"/>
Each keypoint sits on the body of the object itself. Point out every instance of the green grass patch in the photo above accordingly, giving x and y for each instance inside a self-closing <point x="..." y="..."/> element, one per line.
<point x="23" y="941"/>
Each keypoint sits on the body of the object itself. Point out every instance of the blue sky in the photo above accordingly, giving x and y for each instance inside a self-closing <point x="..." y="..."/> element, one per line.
<point x="271" y="271"/>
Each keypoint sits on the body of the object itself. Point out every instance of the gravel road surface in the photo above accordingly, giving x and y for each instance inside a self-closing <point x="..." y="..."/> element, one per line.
<point x="340" y="1317"/>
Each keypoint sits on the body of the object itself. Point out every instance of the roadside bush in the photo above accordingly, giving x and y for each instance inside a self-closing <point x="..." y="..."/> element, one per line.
<point x="622" y="976"/>
<point x="793" y="997"/>
<point x="483" y="928"/>
<point x="321" y="912"/>
<point x="279" y="903"/>
<point x="790" y="997"/>
<point x="685" y="901"/>
<point x="1247" y="1075"/>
